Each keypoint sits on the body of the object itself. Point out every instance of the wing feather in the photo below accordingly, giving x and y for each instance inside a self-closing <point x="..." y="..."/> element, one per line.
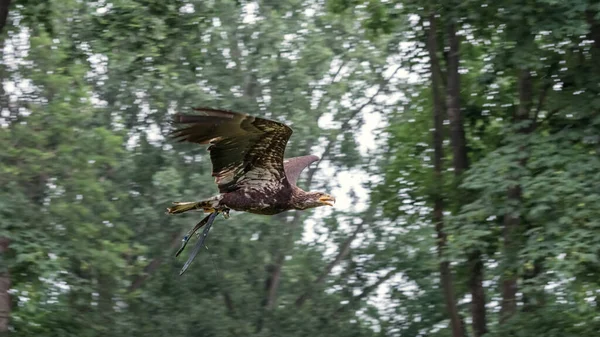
<point x="294" y="167"/>
<point x="244" y="150"/>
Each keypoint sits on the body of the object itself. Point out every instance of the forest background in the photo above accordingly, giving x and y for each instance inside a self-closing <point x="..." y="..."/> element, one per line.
<point x="461" y="138"/>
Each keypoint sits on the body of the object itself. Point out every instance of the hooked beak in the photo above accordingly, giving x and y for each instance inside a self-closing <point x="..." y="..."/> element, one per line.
<point x="327" y="200"/>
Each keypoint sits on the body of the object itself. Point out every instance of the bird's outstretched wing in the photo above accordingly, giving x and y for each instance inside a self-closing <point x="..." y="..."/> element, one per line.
<point x="294" y="166"/>
<point x="244" y="150"/>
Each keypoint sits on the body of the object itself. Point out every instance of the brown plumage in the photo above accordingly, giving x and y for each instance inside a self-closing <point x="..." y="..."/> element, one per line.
<point x="247" y="155"/>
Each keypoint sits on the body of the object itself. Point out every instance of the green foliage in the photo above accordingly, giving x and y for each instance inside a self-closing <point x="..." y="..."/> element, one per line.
<point x="86" y="171"/>
<point x="554" y="163"/>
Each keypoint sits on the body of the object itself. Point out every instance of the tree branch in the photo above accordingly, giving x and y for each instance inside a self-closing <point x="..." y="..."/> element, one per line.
<point x="346" y="124"/>
<point x="333" y="80"/>
<point x="551" y="114"/>
<point x="366" y="292"/>
<point x="154" y="264"/>
<point x="343" y="252"/>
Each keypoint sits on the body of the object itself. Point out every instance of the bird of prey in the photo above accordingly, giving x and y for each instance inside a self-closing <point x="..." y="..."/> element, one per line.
<point x="247" y="156"/>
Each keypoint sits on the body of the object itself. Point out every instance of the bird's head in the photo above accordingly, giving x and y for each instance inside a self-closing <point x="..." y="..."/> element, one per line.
<point x="314" y="199"/>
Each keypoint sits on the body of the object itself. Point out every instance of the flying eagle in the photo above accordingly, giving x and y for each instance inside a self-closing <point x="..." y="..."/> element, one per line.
<point x="247" y="155"/>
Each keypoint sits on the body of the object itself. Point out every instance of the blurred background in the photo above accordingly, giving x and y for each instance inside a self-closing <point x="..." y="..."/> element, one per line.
<point x="461" y="139"/>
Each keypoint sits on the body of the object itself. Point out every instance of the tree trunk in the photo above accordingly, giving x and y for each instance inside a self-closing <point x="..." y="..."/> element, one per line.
<point x="4" y="287"/>
<point x="4" y="7"/>
<point x="594" y="33"/>
<point x="4" y="242"/>
<point x="509" y="282"/>
<point x="534" y="299"/>
<point x="274" y="281"/>
<point x="460" y="162"/>
<point x="438" y="206"/>
<point x="478" y="313"/>
<point x="457" y="131"/>
<point x="512" y="218"/>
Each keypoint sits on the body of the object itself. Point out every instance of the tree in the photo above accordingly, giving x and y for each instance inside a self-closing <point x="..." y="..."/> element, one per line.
<point x="438" y="157"/>
<point x="4" y="241"/>
<point x="473" y="211"/>
<point x="516" y="80"/>
<point x="105" y="86"/>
